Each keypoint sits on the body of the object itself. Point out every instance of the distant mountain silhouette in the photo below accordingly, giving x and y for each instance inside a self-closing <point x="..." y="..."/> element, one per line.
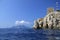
<point x="21" y="26"/>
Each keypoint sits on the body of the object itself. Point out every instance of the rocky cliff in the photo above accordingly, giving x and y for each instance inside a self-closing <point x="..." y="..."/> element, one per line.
<point x="50" y="21"/>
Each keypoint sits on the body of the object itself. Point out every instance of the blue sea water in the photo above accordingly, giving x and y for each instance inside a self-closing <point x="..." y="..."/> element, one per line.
<point x="28" y="34"/>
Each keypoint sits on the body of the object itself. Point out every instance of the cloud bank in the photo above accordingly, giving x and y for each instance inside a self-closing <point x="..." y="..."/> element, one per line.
<point x="22" y="22"/>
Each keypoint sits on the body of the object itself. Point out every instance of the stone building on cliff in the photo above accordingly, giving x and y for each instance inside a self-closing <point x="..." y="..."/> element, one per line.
<point x="50" y="21"/>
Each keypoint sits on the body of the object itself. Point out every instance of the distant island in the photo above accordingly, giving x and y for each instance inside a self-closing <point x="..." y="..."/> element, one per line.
<point x="50" y="21"/>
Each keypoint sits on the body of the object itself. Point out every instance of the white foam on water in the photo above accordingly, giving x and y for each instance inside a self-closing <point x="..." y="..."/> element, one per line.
<point x="57" y="37"/>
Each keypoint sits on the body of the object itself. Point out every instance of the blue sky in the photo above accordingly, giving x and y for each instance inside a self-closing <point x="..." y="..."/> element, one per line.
<point x="26" y="10"/>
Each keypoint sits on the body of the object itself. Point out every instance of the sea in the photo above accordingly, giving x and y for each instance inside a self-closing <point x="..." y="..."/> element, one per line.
<point x="29" y="34"/>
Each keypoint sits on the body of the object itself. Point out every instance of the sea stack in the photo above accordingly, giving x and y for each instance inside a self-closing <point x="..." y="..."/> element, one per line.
<point x="50" y="21"/>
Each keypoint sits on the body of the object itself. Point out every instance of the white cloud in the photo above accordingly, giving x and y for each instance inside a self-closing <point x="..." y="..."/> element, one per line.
<point x="22" y="22"/>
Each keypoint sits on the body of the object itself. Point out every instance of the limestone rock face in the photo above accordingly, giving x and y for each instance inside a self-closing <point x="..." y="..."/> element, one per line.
<point x="38" y="23"/>
<point x="50" y="21"/>
<point x="35" y="24"/>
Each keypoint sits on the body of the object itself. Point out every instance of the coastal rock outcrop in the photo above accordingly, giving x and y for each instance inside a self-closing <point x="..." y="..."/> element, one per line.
<point x="38" y="24"/>
<point x="50" y="21"/>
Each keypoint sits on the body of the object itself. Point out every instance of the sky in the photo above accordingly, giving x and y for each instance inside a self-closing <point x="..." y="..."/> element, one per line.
<point x="14" y="12"/>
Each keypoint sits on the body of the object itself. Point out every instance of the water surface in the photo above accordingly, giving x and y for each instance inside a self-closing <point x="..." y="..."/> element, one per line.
<point x="29" y="34"/>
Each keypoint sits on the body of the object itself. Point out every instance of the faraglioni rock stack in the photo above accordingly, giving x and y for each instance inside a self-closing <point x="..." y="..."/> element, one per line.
<point x="50" y="21"/>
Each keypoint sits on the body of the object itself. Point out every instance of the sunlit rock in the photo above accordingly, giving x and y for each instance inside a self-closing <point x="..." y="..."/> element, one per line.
<point x="38" y="24"/>
<point x="35" y="24"/>
<point x="50" y="21"/>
